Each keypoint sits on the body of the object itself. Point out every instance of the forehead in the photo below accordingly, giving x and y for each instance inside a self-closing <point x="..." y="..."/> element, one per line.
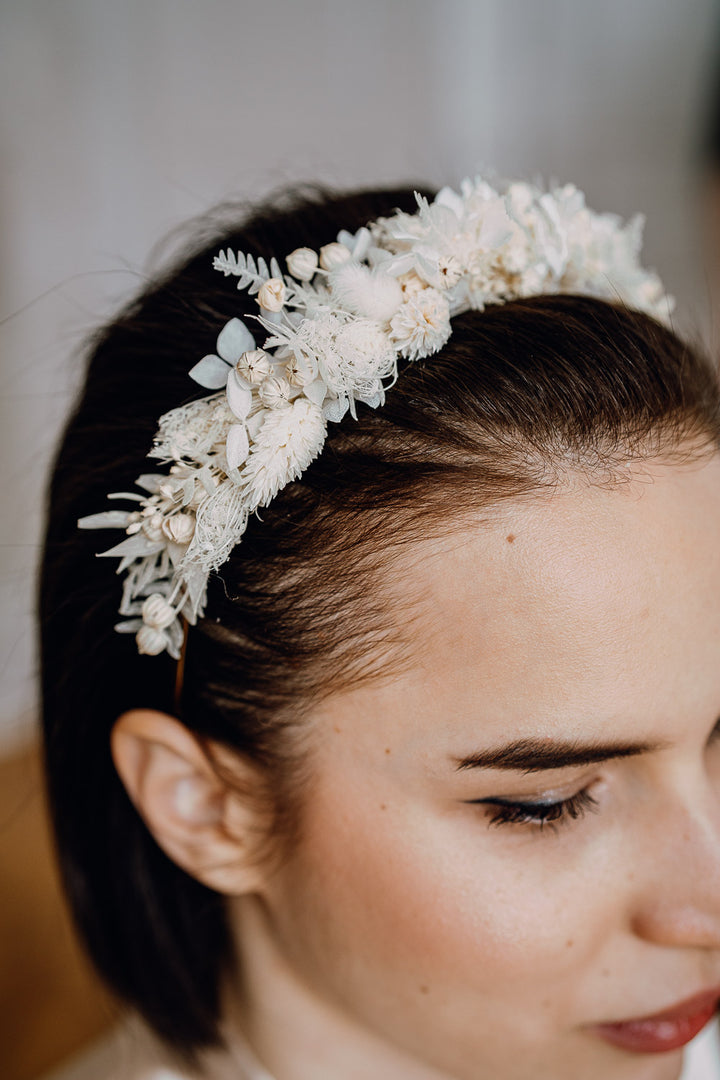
<point x="590" y="605"/>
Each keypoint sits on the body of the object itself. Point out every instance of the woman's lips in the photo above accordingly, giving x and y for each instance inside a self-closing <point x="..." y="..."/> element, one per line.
<point x="666" y="1030"/>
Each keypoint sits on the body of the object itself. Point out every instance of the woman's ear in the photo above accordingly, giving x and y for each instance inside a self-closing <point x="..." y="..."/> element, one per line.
<point x="207" y="826"/>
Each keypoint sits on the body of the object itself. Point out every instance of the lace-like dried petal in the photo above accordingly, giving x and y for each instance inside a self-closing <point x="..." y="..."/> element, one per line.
<point x="221" y="520"/>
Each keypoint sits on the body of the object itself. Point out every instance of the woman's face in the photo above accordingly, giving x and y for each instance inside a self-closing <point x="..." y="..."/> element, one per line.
<point x="564" y="654"/>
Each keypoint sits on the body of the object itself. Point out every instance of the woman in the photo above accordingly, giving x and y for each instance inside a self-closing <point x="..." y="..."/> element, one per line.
<point x="421" y="777"/>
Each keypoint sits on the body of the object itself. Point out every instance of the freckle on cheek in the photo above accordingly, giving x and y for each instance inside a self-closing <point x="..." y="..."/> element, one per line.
<point x="569" y="943"/>
<point x="388" y="750"/>
<point x="383" y="806"/>
<point x="510" y="539"/>
<point x="424" y="989"/>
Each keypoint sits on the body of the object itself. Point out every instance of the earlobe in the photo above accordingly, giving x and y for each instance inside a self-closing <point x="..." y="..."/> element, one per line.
<point x="185" y="803"/>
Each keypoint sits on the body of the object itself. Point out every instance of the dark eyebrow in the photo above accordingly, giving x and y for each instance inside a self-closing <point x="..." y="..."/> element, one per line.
<point x="534" y="755"/>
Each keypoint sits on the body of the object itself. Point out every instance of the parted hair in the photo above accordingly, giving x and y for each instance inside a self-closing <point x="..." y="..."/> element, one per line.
<point x="521" y="392"/>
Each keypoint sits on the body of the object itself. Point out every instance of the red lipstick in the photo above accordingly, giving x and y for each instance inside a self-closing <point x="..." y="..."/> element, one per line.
<point x="666" y="1030"/>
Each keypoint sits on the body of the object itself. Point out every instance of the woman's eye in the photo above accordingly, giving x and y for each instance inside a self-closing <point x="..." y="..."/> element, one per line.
<point x="539" y="814"/>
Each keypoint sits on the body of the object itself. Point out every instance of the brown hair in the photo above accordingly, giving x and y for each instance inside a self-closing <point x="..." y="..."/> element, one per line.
<point x="520" y="392"/>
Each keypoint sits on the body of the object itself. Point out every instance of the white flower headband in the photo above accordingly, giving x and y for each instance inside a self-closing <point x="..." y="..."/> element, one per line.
<point x="338" y="322"/>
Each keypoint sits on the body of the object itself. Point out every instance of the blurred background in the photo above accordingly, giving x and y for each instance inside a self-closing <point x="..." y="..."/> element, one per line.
<point x="121" y="119"/>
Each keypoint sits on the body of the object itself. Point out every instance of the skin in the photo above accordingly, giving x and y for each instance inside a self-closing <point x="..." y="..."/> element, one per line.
<point x="407" y="936"/>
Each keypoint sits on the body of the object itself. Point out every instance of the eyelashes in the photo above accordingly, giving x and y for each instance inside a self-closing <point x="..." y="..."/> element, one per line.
<point x="539" y="814"/>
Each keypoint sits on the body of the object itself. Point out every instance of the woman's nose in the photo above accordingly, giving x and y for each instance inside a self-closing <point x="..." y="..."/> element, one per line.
<point x="680" y="901"/>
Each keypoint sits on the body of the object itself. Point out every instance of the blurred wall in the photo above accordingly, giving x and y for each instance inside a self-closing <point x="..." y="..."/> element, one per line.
<point x="119" y="119"/>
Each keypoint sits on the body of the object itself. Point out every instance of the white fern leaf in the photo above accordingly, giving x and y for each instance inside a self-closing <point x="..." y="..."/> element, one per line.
<point x="240" y="266"/>
<point x="227" y="263"/>
<point x="252" y="274"/>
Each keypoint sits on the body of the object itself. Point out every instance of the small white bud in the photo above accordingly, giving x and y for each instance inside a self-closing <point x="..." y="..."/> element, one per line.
<point x="254" y="365"/>
<point x="332" y="255"/>
<point x="152" y="526"/>
<point x="157" y="613"/>
<point x="275" y="392"/>
<point x="151" y="642"/>
<point x="301" y="370"/>
<point x="411" y="284"/>
<point x="271" y="296"/>
<point x="179" y="528"/>
<point x="135" y="521"/>
<point x="302" y="263"/>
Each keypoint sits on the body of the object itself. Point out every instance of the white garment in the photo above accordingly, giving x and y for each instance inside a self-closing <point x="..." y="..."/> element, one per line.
<point x="702" y="1057"/>
<point x="127" y="1056"/>
<point x="130" y="1052"/>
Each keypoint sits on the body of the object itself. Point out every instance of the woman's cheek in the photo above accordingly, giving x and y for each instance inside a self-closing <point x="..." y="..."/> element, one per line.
<point x="447" y="902"/>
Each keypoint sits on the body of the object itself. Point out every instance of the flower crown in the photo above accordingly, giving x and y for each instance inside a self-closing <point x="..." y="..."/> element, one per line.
<point x="337" y="323"/>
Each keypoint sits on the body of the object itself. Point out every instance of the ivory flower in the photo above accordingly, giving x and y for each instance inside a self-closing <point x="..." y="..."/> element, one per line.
<point x="157" y="613"/>
<point x="302" y="263"/>
<point x="411" y="284"/>
<point x="150" y="641"/>
<point x="332" y="255"/>
<point x="301" y="370"/>
<point x="275" y="392"/>
<point x="179" y="528"/>
<point x="254" y="365"/>
<point x="422" y="325"/>
<point x="367" y="357"/>
<point x="450" y="270"/>
<point x="271" y="295"/>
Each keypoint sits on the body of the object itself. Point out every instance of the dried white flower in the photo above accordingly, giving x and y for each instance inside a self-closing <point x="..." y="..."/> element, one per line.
<point x="422" y="325"/>
<point x="179" y="528"/>
<point x="366" y="357"/>
<point x="332" y="255"/>
<point x="151" y="642"/>
<point x="302" y="263"/>
<point x="271" y="295"/>
<point x="450" y="271"/>
<point x="157" y="613"/>
<point x="275" y="392"/>
<point x="411" y="284"/>
<point x="301" y="370"/>
<point x="254" y="365"/>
